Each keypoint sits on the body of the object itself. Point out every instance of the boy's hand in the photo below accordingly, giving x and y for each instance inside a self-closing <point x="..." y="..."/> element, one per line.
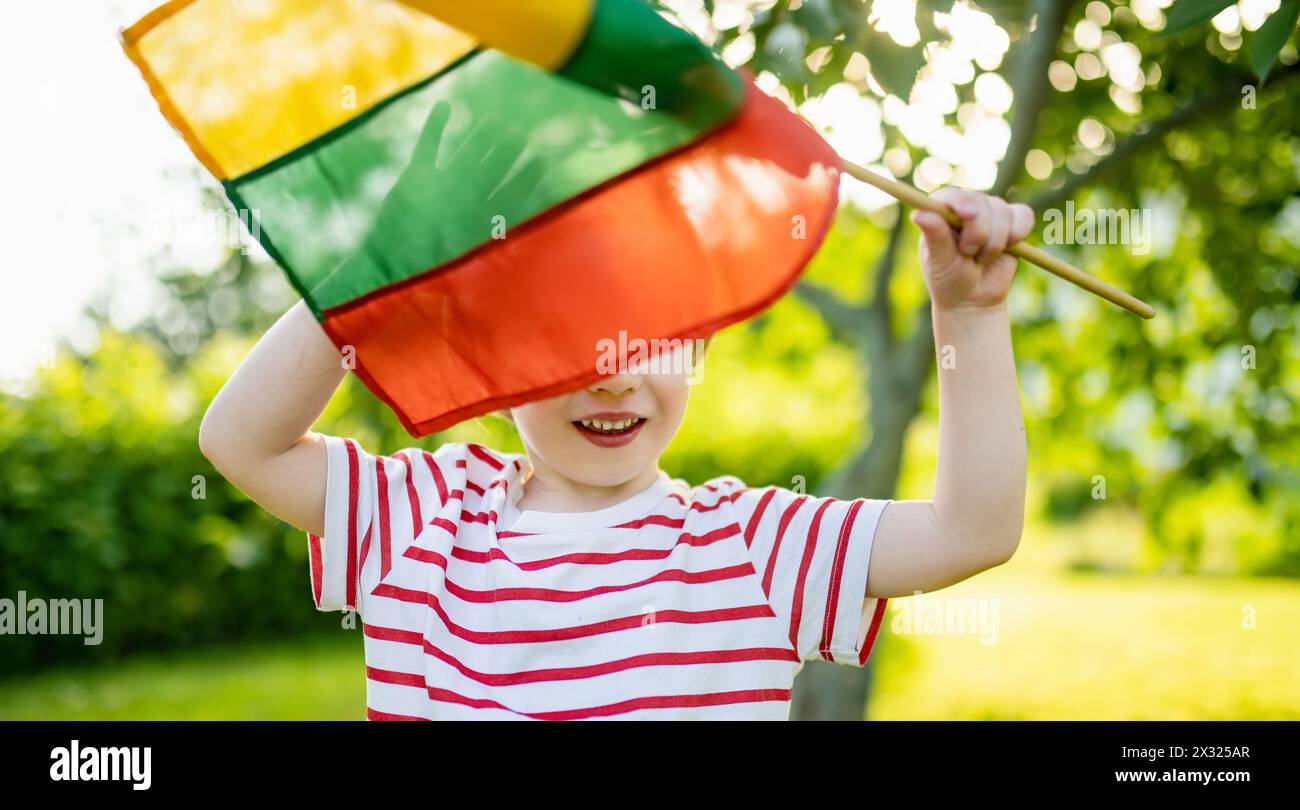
<point x="967" y="267"/>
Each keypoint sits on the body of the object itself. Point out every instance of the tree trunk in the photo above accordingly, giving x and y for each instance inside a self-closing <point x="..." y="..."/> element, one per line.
<point x="826" y="691"/>
<point x="899" y="370"/>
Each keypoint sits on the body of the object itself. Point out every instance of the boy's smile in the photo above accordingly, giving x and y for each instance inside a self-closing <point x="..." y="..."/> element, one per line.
<point x="601" y="443"/>
<point x="610" y="428"/>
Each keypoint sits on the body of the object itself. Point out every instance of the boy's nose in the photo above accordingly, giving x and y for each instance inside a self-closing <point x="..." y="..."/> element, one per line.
<point x="616" y="384"/>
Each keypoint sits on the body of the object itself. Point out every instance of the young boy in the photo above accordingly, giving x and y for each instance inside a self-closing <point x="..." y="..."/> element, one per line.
<point x="580" y="581"/>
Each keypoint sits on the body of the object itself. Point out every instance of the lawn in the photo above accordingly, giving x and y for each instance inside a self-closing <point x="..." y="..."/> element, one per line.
<point x="1064" y="645"/>
<point x="1081" y="646"/>
<point x="297" y="680"/>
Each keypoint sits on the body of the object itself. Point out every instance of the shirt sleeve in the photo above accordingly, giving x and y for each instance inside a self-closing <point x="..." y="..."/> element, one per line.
<point x="811" y="555"/>
<point x="375" y="507"/>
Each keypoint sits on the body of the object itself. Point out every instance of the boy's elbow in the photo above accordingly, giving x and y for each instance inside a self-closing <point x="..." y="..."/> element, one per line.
<point x="980" y="542"/>
<point x="211" y="439"/>
<point x="1003" y="552"/>
<point x="207" y="443"/>
<point x="1003" y="543"/>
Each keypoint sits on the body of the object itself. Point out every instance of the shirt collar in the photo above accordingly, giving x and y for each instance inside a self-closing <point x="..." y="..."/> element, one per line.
<point x="535" y="522"/>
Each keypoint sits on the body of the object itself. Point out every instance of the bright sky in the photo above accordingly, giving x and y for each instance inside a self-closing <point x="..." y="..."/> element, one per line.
<point x="94" y="179"/>
<point x="97" y="185"/>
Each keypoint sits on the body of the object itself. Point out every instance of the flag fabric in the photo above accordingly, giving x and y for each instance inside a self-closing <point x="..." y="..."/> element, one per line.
<point x="471" y="197"/>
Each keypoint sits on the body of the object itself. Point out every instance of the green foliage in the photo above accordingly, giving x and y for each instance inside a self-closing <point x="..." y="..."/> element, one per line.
<point x="1267" y="41"/>
<point x="1191" y="13"/>
<point x="1207" y="392"/>
<point x="787" y="35"/>
<point x="104" y="495"/>
<point x="1188" y="418"/>
<point x="1272" y="35"/>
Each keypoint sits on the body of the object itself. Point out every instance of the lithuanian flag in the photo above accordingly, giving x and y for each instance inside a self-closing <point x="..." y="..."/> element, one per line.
<point x="473" y="196"/>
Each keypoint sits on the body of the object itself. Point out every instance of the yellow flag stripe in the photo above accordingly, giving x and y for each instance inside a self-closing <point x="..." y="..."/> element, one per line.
<point x="168" y="108"/>
<point x="148" y="22"/>
<point x="247" y="81"/>
<point x="542" y="32"/>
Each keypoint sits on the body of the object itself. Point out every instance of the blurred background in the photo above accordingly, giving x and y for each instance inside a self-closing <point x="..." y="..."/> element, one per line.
<point x="1159" y="574"/>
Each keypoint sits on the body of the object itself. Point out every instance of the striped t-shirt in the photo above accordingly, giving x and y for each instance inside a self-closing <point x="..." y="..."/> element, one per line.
<point x="678" y="603"/>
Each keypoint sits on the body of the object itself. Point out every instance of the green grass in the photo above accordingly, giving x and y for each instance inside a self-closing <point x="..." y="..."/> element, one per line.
<point x="1102" y="647"/>
<point x="297" y="680"/>
<point x="1068" y="645"/>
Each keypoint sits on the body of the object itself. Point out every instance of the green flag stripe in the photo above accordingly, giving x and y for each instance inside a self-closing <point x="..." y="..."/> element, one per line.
<point x="432" y="174"/>
<point x="632" y="52"/>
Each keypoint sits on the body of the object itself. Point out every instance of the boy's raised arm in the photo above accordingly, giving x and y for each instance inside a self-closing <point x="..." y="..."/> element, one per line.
<point x="257" y="433"/>
<point x="976" y="517"/>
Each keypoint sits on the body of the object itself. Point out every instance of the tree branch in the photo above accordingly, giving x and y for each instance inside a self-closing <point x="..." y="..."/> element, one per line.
<point x="881" y="327"/>
<point x="920" y="348"/>
<point x="1151" y="132"/>
<point x="842" y="318"/>
<point x="1030" y="88"/>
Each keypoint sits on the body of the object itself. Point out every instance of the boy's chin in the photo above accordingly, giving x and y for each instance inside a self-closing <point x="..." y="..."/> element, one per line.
<point x="611" y="467"/>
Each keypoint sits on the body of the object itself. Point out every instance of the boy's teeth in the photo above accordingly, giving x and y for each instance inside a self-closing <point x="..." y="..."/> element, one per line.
<point x="608" y="425"/>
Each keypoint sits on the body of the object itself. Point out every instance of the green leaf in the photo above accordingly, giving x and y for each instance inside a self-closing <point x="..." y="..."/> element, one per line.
<point x="1191" y="13"/>
<point x="893" y="65"/>
<point x="1271" y="36"/>
<point x="818" y="19"/>
<point x="832" y="72"/>
<point x="783" y="52"/>
<point x="851" y="15"/>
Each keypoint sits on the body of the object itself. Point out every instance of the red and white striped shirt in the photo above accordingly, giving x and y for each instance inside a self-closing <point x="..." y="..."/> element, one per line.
<point x="677" y="603"/>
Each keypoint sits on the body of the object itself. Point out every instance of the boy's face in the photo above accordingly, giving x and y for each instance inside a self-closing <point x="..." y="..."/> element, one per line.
<point x="610" y="432"/>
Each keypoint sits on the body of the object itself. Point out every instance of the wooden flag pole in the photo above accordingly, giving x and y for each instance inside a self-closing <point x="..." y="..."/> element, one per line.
<point x="916" y="199"/>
